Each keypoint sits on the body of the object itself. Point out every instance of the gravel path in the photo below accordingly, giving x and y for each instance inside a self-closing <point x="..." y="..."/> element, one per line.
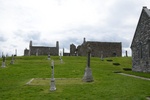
<point x="135" y="76"/>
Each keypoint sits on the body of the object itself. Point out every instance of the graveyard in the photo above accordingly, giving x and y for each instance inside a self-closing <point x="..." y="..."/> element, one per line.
<point x="28" y="78"/>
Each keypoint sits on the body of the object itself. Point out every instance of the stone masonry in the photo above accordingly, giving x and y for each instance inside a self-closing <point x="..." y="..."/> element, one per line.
<point x="141" y="43"/>
<point x="107" y="49"/>
<point x="42" y="50"/>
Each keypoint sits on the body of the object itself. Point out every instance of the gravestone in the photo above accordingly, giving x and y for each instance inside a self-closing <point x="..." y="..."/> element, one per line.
<point x="52" y="84"/>
<point x="102" y="56"/>
<point x="12" y="60"/>
<point x="88" y="72"/>
<point x="60" y="57"/>
<point x="49" y="56"/>
<point x="3" y="62"/>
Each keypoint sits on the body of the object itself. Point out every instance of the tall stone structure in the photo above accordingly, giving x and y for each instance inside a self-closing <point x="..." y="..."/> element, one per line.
<point x="109" y="49"/>
<point x="72" y="50"/>
<point x="42" y="50"/>
<point x="141" y="43"/>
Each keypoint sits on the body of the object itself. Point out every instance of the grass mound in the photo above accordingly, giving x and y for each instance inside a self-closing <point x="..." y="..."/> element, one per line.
<point x="68" y="75"/>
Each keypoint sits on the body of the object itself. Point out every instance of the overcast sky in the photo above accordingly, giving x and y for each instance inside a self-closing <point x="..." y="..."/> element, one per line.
<point x="67" y="21"/>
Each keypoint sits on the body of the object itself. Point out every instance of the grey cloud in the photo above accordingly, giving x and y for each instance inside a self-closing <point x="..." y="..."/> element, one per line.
<point x="28" y="35"/>
<point x="2" y="39"/>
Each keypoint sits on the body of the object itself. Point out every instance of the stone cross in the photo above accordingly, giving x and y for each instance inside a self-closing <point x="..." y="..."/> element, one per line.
<point x="89" y="55"/>
<point x="52" y="85"/>
<point x="88" y="72"/>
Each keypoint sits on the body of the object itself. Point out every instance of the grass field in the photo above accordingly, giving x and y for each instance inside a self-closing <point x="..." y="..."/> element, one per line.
<point x="107" y="85"/>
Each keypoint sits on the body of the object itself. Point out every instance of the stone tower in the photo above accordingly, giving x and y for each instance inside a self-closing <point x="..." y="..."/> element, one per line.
<point x="72" y="50"/>
<point x="57" y="46"/>
<point x="30" y="46"/>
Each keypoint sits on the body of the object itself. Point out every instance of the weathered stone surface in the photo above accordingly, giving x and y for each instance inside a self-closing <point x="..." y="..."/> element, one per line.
<point x="109" y="49"/>
<point x="88" y="75"/>
<point x="141" y="43"/>
<point x="88" y="72"/>
<point x="54" y="51"/>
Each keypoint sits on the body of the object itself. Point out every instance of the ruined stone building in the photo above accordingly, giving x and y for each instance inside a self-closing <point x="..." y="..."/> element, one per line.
<point x="141" y="43"/>
<point x="105" y="49"/>
<point x="42" y="50"/>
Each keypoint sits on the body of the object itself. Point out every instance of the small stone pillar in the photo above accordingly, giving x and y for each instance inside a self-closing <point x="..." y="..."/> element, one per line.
<point x="49" y="56"/>
<point x="52" y="84"/>
<point x="102" y="56"/>
<point x="126" y="53"/>
<point x="88" y="72"/>
<point x="3" y="62"/>
<point x="60" y="57"/>
<point x="12" y="60"/>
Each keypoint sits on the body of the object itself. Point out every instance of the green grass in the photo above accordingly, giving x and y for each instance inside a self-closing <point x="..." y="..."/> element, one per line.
<point x="107" y="85"/>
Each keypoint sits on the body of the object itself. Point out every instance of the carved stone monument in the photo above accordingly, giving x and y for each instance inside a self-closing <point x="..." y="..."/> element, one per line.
<point x="52" y="84"/>
<point x="88" y="72"/>
<point x="3" y="62"/>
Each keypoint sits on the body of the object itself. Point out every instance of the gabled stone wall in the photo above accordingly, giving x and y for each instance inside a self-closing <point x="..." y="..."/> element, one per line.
<point x="141" y="44"/>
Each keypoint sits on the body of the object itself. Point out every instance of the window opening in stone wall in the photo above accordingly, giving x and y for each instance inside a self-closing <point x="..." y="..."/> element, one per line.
<point x="114" y="54"/>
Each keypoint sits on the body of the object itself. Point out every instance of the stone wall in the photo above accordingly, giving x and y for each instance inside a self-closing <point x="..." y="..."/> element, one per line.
<point x="141" y="44"/>
<point x="108" y="49"/>
<point x="41" y="50"/>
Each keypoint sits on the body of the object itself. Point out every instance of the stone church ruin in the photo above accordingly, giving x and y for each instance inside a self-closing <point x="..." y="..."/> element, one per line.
<point x="105" y="49"/>
<point x="42" y="50"/>
<point x="141" y="43"/>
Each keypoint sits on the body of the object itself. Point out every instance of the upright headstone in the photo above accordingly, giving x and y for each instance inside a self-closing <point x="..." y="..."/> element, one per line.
<point x="3" y="62"/>
<point x="49" y="56"/>
<point x="60" y="57"/>
<point x="52" y="84"/>
<point x="12" y="60"/>
<point x="88" y="72"/>
<point x="102" y="56"/>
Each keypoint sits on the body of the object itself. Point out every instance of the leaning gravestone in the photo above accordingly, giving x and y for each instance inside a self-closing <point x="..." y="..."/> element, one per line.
<point x="3" y="62"/>
<point x="52" y="84"/>
<point x="88" y="72"/>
